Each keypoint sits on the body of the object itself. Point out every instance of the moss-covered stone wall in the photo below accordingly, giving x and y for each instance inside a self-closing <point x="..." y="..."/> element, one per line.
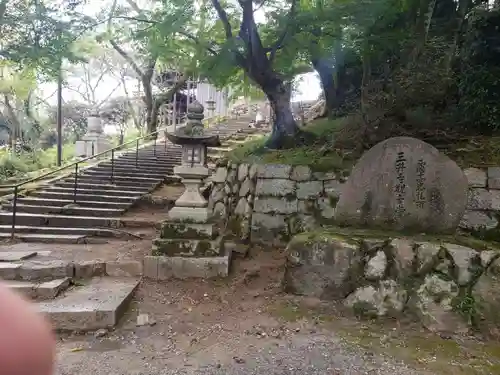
<point x="271" y="202"/>
<point x="483" y="207"/>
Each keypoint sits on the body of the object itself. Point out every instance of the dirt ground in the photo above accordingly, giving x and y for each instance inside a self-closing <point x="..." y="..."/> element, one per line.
<point x="246" y="325"/>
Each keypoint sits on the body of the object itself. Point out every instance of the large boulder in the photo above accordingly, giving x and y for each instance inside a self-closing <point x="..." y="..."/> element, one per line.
<point x="404" y="184"/>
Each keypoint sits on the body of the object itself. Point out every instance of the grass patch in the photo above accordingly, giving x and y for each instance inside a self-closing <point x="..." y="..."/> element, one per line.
<point x="320" y="154"/>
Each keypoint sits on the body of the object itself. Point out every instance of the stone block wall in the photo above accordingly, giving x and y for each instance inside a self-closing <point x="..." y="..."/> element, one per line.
<point x="483" y="206"/>
<point x="271" y="202"/>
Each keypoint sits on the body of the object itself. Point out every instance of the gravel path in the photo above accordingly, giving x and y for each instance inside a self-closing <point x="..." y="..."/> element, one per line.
<point x="307" y="354"/>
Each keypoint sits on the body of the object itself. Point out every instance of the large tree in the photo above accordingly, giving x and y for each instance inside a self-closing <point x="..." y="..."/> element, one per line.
<point x="144" y="38"/>
<point x="256" y="53"/>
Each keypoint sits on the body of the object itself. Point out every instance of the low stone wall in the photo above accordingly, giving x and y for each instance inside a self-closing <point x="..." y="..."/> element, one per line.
<point x="483" y="206"/>
<point x="448" y="286"/>
<point x="270" y="203"/>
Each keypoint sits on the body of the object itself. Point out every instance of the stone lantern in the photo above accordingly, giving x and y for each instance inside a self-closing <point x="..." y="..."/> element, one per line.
<point x="193" y="169"/>
<point x="211" y="107"/>
<point x="190" y="244"/>
<point x="94" y="141"/>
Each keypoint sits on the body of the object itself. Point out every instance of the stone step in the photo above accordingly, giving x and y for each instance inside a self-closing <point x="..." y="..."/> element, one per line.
<point x="151" y="180"/>
<point x="121" y="182"/>
<point x="63" y="202"/>
<point x="119" y="191"/>
<point x="70" y="183"/>
<point x="95" y="195"/>
<point x="39" y="291"/>
<point x="160" y="167"/>
<point x="160" y="161"/>
<point x="151" y="157"/>
<point x="124" y="173"/>
<point x="99" y="303"/>
<point x="49" y="238"/>
<point x="154" y="169"/>
<point x="77" y="210"/>
<point x="92" y="232"/>
<point x="52" y="220"/>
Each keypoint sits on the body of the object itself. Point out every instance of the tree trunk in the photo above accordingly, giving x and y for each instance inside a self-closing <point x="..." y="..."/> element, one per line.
<point x="149" y="102"/>
<point x="121" y="137"/>
<point x="327" y="78"/>
<point x="285" y="128"/>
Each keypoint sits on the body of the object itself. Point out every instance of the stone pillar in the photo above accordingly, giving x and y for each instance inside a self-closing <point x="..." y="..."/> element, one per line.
<point x="94" y="141"/>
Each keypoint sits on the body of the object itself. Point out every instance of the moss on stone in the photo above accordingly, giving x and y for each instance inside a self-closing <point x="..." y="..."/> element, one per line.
<point x="355" y="235"/>
<point x="185" y="230"/>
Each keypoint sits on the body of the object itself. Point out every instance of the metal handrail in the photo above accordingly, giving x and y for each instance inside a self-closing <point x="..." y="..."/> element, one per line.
<point x="76" y="164"/>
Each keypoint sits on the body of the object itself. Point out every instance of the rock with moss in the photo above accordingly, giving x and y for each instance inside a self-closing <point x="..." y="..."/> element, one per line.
<point x="320" y="266"/>
<point x="442" y="283"/>
<point x="387" y="298"/>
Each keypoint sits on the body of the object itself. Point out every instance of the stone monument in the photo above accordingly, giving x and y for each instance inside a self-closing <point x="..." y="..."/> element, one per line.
<point x="404" y="184"/>
<point x="94" y="141"/>
<point x="189" y="244"/>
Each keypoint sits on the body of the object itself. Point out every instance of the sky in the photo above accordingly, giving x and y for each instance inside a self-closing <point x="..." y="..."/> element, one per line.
<point x="308" y="88"/>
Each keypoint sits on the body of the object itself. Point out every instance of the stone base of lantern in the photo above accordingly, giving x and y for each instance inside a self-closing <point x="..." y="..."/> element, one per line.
<point x="189" y="214"/>
<point x="191" y="241"/>
<point x="188" y="250"/>
<point x="92" y="145"/>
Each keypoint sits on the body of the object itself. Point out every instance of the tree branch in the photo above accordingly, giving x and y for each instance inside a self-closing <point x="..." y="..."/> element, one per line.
<point x="134" y="6"/>
<point x="127" y="58"/>
<point x="224" y="19"/>
<point x="280" y="42"/>
<point x="197" y="41"/>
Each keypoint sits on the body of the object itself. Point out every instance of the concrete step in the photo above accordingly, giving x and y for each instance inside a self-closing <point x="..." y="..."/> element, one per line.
<point x="91" y="232"/>
<point x="99" y="303"/>
<point x="39" y="291"/>
<point x="124" y="173"/>
<point x="160" y="167"/>
<point x="121" y="182"/>
<point x="70" y="183"/>
<point x="144" y="168"/>
<point x="125" y="178"/>
<point x="95" y="195"/>
<point x="49" y="238"/>
<point x="77" y="210"/>
<point x="35" y="201"/>
<point x="120" y="191"/>
<point x="52" y="220"/>
<point x="162" y="171"/>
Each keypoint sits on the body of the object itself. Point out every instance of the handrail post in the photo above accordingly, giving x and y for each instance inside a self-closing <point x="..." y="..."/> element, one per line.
<point x="14" y="211"/>
<point x="165" y="141"/>
<point x="112" y="166"/>
<point x="154" y="146"/>
<point x="136" y="153"/>
<point x="76" y="183"/>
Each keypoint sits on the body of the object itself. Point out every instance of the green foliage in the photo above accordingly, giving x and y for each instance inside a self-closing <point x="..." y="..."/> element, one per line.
<point x="479" y="78"/>
<point x="39" y="33"/>
<point x="320" y="153"/>
<point x="23" y="164"/>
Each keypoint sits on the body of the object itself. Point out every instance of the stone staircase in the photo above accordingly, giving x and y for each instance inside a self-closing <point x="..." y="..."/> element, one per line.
<point x="87" y="295"/>
<point x="50" y="213"/>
